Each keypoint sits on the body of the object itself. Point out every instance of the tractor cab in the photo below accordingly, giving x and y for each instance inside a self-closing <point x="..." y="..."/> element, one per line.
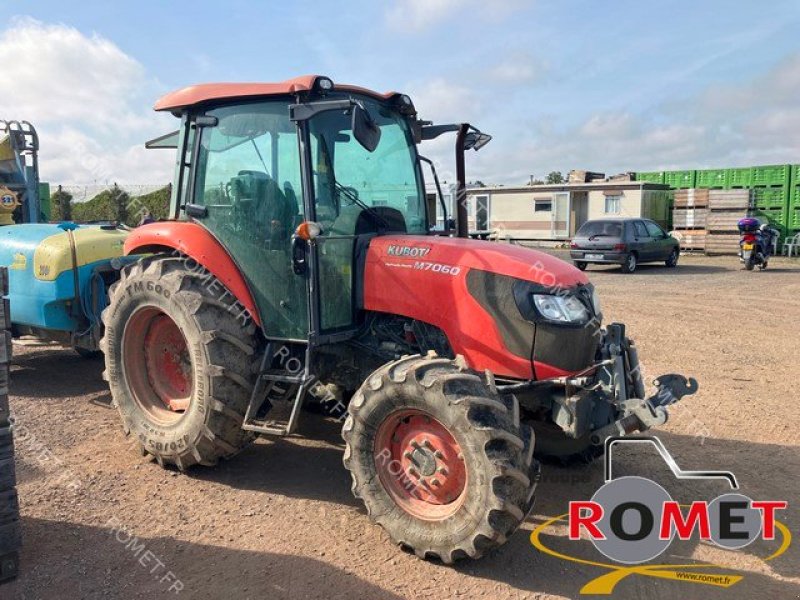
<point x="293" y="179"/>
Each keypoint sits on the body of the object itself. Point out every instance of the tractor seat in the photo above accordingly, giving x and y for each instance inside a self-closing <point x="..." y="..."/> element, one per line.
<point x="270" y="206"/>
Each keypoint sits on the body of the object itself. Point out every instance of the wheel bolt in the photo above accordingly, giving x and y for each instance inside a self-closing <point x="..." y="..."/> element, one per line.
<point x="439" y="454"/>
<point x="427" y="443"/>
<point x="435" y="482"/>
<point x="442" y="471"/>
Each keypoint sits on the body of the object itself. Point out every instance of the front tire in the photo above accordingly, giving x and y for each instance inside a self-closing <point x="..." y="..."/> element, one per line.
<point x="580" y="264"/>
<point x="672" y="260"/>
<point x="439" y="458"/>
<point x="179" y="363"/>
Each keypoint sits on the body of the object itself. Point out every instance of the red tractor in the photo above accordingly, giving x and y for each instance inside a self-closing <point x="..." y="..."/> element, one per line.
<point x="299" y="267"/>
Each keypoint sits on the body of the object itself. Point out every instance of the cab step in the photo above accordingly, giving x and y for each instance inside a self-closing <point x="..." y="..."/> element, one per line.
<point x="277" y="397"/>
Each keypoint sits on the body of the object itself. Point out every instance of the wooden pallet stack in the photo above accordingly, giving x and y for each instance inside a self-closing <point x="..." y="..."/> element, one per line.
<point x="9" y="506"/>
<point x="689" y="215"/>
<point x="725" y="208"/>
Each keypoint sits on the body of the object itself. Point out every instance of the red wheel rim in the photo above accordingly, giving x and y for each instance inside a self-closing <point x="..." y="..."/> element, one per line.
<point x="420" y="465"/>
<point x="157" y="364"/>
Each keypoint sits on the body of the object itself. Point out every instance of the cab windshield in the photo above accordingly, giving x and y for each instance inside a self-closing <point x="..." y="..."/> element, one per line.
<point x="349" y="180"/>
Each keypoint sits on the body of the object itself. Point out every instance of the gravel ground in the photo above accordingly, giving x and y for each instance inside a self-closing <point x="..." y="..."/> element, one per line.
<point x="279" y="521"/>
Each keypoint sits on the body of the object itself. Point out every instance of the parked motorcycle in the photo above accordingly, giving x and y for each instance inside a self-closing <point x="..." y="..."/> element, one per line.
<point x="755" y="243"/>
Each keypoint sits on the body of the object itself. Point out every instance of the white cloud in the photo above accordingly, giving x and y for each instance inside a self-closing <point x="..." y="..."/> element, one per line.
<point x="752" y="122"/>
<point x="90" y="102"/>
<point x="441" y="100"/>
<point x="418" y="15"/>
<point x="516" y="69"/>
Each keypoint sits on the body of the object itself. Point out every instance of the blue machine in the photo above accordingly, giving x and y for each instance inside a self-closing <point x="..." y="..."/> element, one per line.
<point x="58" y="273"/>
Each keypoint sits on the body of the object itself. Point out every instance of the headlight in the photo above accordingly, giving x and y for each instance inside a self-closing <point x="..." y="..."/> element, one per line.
<point x="561" y="309"/>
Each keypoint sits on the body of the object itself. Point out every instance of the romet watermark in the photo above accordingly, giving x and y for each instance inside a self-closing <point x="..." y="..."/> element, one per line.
<point x="146" y="558"/>
<point x="214" y="286"/>
<point x="632" y="520"/>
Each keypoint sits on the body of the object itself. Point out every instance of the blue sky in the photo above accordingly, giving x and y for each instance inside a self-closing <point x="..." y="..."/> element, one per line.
<point x="602" y="86"/>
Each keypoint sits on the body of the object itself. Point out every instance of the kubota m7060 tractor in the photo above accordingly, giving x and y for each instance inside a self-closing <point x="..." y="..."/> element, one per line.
<point x="300" y="255"/>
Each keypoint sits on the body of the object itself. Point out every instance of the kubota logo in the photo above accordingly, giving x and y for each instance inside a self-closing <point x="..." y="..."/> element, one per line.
<point x="633" y="520"/>
<point x="409" y="251"/>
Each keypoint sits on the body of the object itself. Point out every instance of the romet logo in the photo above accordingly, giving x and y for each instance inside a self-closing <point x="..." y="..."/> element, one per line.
<point x="632" y="520"/>
<point x="410" y="251"/>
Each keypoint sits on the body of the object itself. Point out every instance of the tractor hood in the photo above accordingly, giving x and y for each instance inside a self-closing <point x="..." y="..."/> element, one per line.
<point x="448" y="282"/>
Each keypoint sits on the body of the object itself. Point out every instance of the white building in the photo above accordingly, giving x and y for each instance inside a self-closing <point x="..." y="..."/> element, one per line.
<point x="555" y="212"/>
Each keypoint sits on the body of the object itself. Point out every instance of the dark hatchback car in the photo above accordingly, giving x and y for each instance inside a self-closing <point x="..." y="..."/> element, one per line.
<point x="625" y="242"/>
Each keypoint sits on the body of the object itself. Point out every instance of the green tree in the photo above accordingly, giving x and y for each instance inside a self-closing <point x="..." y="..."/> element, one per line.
<point x="554" y="177"/>
<point x="61" y="206"/>
<point x="120" y="199"/>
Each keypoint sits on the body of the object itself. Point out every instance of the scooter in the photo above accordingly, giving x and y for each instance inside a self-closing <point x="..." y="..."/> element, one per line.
<point x="755" y="243"/>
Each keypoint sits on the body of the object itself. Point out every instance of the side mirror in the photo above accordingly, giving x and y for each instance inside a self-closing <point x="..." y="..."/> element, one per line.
<point x="365" y="130"/>
<point x="475" y="140"/>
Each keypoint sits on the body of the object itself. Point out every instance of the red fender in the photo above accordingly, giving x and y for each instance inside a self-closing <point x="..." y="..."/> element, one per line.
<point x="195" y="241"/>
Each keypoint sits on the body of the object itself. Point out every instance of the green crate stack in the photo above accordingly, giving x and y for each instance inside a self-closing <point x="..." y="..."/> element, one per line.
<point x="769" y="198"/>
<point x="771" y="176"/>
<point x="711" y="178"/>
<point x="680" y="180"/>
<point x="776" y="217"/>
<point x="793" y="219"/>
<point x="794" y="189"/>
<point x="739" y="177"/>
<point x="793" y="205"/>
<point x="650" y="176"/>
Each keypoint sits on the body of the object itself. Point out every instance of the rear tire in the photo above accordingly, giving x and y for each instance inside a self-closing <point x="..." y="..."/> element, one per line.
<point x="183" y="401"/>
<point x="749" y="264"/>
<point x="629" y="266"/>
<point x="580" y="264"/>
<point x="467" y="431"/>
